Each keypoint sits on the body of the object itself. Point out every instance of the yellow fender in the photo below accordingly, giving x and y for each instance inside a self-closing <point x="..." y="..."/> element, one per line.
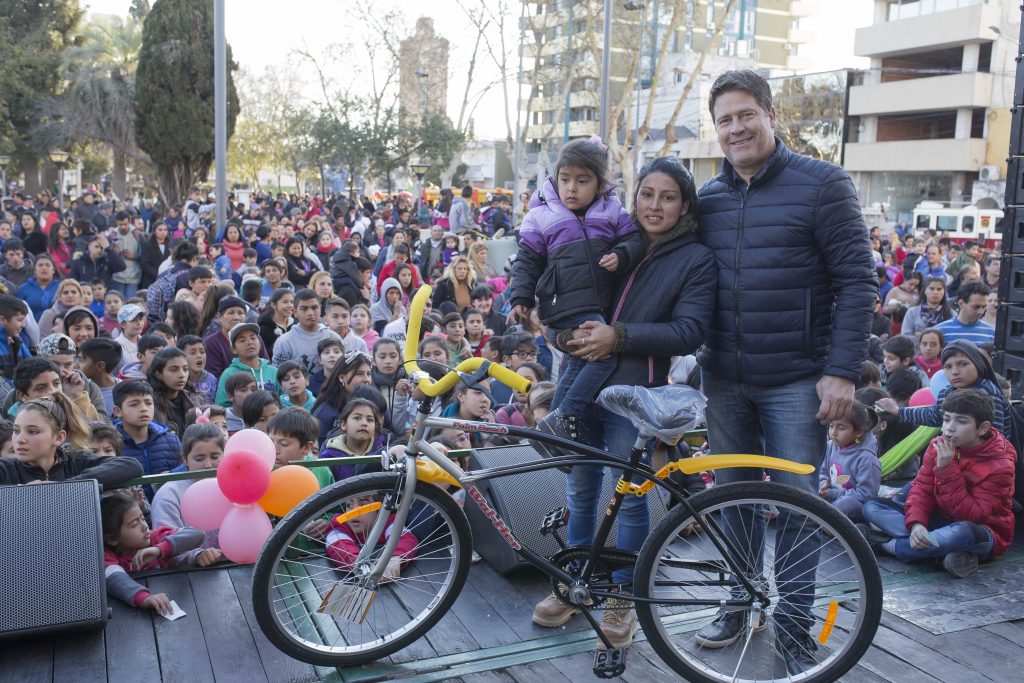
<point x="705" y="463"/>
<point x="429" y="471"/>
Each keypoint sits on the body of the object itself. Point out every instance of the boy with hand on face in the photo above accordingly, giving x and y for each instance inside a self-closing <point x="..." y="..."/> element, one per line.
<point x="245" y="342"/>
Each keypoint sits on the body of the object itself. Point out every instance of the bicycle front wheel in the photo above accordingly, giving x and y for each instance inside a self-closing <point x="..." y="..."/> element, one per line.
<point x="817" y="574"/>
<point x="315" y="605"/>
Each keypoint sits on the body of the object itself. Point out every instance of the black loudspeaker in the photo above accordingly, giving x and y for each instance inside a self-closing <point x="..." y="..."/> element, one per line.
<point x="51" y="559"/>
<point x="522" y="500"/>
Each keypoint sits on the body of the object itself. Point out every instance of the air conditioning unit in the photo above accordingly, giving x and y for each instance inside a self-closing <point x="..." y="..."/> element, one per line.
<point x="988" y="173"/>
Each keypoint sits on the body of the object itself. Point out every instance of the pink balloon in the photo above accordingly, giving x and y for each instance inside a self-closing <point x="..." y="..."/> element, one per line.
<point x="204" y="506"/>
<point x="243" y="533"/>
<point x="243" y="477"/>
<point x="922" y="397"/>
<point x="254" y="441"/>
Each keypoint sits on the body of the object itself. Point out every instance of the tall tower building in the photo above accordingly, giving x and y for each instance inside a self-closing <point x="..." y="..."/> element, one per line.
<point x="423" y="73"/>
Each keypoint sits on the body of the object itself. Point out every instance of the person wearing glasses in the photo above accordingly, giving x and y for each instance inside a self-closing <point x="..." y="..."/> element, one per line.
<point x="516" y="349"/>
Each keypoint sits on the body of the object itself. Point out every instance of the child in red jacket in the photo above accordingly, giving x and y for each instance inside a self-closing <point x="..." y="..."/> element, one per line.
<point x="346" y="538"/>
<point x="960" y="504"/>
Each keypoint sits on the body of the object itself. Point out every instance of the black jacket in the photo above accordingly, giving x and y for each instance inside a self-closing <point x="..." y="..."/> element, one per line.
<point x="796" y="281"/>
<point x="71" y="466"/>
<point x="665" y="306"/>
<point x="150" y="258"/>
<point x="345" y="278"/>
<point x="84" y="269"/>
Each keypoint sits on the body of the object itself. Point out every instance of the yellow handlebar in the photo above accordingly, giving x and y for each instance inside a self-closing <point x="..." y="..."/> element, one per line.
<point x="427" y="385"/>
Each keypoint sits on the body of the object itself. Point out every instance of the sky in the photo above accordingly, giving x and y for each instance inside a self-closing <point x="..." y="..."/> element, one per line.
<point x="265" y="34"/>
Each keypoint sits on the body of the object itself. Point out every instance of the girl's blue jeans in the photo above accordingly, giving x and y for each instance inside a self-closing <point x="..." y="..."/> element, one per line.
<point x="949" y="537"/>
<point x="580" y="380"/>
<point x="616" y="435"/>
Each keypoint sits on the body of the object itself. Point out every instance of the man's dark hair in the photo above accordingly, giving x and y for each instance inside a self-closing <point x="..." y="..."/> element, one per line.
<point x="251" y="291"/>
<point x="255" y="403"/>
<point x="745" y="80"/>
<point x="10" y="306"/>
<point x="900" y="346"/>
<point x="869" y="374"/>
<point x="363" y="265"/>
<point x="13" y="244"/>
<point x="495" y="343"/>
<point x="336" y="301"/>
<point x="969" y="243"/>
<point x="187" y="340"/>
<point x="102" y="350"/>
<point x="151" y="341"/>
<point x="129" y="388"/>
<point x="970" y="288"/>
<point x="305" y="295"/>
<point x="902" y="384"/>
<point x="284" y="368"/>
<point x="973" y="402"/>
<point x="249" y="251"/>
<point x="481" y="292"/>
<point x="295" y="423"/>
<point x="327" y="343"/>
<point x="28" y="369"/>
<point x="263" y="232"/>
<point x="122" y="216"/>
<point x="402" y="248"/>
<point x="511" y="342"/>
<point x="185" y="251"/>
<point x="467" y="191"/>
<point x="199" y="273"/>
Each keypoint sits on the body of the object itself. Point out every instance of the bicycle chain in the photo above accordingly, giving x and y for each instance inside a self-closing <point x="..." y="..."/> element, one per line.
<point x="609" y="560"/>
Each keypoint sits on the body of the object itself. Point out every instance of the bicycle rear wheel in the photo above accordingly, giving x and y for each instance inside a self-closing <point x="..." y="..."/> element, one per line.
<point x="815" y="567"/>
<point x="318" y="610"/>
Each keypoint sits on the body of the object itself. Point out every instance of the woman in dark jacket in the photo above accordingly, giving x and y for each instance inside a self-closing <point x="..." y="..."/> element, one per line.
<point x="154" y="251"/>
<point x="300" y="266"/>
<point x="661" y="310"/>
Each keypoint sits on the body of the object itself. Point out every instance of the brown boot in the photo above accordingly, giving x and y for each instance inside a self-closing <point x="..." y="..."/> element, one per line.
<point x="551" y="612"/>
<point x="619" y="624"/>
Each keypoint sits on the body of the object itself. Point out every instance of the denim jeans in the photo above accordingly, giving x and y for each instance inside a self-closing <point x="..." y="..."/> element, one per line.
<point x="616" y="435"/>
<point x="579" y="380"/>
<point x="949" y="536"/>
<point x="127" y="289"/>
<point x="775" y="421"/>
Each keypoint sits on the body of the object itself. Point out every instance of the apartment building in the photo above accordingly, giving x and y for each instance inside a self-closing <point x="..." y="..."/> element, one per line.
<point x="930" y="118"/>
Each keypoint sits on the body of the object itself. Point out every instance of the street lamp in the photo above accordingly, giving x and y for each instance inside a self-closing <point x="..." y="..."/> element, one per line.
<point x="60" y="158"/>
<point x="419" y="170"/>
<point x="4" y="160"/>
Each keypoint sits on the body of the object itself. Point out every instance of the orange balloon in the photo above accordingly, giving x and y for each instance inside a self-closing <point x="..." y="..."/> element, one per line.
<point x="289" y="486"/>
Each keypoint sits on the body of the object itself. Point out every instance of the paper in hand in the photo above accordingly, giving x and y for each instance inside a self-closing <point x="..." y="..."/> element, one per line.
<point x="176" y="612"/>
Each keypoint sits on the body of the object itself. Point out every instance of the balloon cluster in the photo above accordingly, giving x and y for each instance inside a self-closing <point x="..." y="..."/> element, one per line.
<point x="247" y="488"/>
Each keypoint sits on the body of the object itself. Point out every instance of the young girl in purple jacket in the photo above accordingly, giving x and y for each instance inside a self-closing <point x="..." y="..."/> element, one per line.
<point x="571" y="242"/>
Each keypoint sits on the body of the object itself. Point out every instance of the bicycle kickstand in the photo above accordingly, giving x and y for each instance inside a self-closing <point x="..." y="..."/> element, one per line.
<point x="611" y="661"/>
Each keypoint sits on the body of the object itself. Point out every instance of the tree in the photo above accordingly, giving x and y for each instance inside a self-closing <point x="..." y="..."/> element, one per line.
<point x="174" y="96"/>
<point x="97" y="103"/>
<point x="33" y="36"/>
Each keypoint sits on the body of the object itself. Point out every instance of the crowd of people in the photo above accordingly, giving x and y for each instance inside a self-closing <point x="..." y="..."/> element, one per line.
<point x="137" y="339"/>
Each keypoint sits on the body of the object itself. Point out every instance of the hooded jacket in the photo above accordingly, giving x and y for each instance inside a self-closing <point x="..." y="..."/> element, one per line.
<point x="345" y="278"/>
<point x="976" y="487"/>
<point x="796" y="279"/>
<point x="265" y="375"/>
<point x="380" y="311"/>
<point x="300" y="346"/>
<point x="84" y="269"/>
<point x="853" y="474"/>
<point x="460" y="218"/>
<point x="37" y="297"/>
<point x="72" y="465"/>
<point x="558" y="255"/>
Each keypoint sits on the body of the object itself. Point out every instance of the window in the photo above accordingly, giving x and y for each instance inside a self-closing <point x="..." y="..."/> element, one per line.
<point x="924" y="222"/>
<point x="945" y="222"/>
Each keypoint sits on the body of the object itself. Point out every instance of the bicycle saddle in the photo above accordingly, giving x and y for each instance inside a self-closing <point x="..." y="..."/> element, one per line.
<point x="665" y="412"/>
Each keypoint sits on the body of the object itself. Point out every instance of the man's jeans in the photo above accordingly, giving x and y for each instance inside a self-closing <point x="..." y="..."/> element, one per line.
<point x="127" y="289"/>
<point x="616" y="435"/>
<point x="949" y="536"/>
<point x="775" y="421"/>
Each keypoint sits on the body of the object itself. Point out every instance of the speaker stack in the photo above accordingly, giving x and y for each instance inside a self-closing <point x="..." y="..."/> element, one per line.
<point x="1009" y="339"/>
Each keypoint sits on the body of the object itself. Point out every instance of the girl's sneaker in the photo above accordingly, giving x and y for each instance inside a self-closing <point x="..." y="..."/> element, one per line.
<point x="960" y="564"/>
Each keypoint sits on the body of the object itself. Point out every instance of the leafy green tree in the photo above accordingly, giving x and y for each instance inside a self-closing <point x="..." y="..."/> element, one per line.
<point x="33" y="36"/>
<point x="174" y="94"/>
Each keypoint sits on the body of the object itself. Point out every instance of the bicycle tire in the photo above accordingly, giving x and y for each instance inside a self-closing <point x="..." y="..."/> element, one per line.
<point x="670" y="632"/>
<point x="294" y="625"/>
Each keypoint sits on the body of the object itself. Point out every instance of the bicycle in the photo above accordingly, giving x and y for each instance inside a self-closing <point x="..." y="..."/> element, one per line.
<point x="702" y="557"/>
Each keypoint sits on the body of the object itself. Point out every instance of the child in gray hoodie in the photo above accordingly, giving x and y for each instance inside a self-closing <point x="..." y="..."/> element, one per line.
<point x="851" y="472"/>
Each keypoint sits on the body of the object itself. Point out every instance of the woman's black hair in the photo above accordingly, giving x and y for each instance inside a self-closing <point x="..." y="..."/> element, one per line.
<point x="113" y="508"/>
<point x="861" y="417"/>
<point x="589" y="153"/>
<point x="252" y="407"/>
<point x="160" y="400"/>
<point x="399" y="268"/>
<point x="186" y="319"/>
<point x="332" y="392"/>
<point x="946" y="311"/>
<point x="673" y="168"/>
<point x="353" y="403"/>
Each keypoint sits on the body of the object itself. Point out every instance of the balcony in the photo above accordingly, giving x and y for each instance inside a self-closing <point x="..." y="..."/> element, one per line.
<point x="580" y="98"/>
<point x="955" y="91"/>
<point x="803" y="8"/>
<point x="966" y="154"/>
<point x="545" y="131"/>
<point x="928" y="32"/>
<point x="542" y="22"/>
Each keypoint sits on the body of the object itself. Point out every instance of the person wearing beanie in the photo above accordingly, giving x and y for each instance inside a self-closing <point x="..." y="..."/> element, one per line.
<point x="230" y="311"/>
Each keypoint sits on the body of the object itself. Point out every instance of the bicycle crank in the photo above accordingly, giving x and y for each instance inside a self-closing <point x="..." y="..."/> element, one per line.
<point x="571" y="560"/>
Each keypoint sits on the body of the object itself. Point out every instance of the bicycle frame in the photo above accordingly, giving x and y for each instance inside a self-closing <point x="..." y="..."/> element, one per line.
<point x="588" y="455"/>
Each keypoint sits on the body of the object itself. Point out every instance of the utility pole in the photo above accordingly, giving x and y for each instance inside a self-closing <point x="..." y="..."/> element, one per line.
<point x="220" y="114"/>
<point x="606" y="68"/>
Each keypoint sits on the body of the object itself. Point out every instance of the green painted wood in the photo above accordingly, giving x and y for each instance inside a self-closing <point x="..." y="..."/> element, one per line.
<point x="301" y="619"/>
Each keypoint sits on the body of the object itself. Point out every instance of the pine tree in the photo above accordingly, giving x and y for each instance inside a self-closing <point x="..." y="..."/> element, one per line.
<point x="174" y="101"/>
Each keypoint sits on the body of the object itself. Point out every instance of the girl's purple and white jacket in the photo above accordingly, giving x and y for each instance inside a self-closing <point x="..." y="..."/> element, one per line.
<point x="559" y="252"/>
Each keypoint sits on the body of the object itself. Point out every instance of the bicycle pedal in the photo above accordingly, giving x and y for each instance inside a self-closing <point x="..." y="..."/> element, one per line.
<point x="554" y="520"/>
<point x="610" y="663"/>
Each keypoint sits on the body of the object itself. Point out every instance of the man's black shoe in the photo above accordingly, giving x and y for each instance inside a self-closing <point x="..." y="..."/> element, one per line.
<point x="875" y="538"/>
<point x="797" y="652"/>
<point x="725" y="630"/>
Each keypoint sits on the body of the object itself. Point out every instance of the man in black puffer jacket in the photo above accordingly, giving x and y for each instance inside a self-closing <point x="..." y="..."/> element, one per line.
<point x="790" y="332"/>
